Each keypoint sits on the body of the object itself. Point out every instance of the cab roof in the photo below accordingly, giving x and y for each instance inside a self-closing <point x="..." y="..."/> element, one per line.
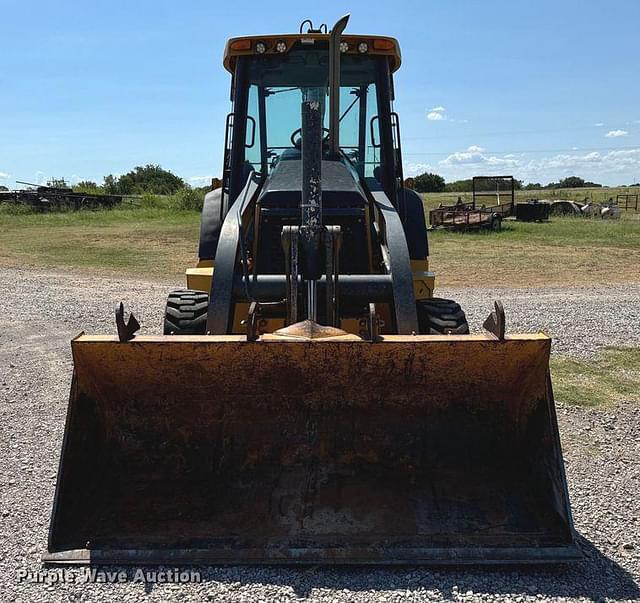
<point x="281" y="44"/>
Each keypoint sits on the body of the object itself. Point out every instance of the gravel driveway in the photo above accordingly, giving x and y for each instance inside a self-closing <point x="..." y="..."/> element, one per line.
<point x="41" y="311"/>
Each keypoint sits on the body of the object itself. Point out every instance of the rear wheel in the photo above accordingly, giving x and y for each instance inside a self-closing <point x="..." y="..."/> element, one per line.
<point x="437" y="316"/>
<point x="186" y="312"/>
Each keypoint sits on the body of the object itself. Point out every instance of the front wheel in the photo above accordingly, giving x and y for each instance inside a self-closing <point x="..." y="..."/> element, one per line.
<point x="437" y="316"/>
<point x="186" y="312"/>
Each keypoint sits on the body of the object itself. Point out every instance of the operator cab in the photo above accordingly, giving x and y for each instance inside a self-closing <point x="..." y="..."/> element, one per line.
<point x="272" y="74"/>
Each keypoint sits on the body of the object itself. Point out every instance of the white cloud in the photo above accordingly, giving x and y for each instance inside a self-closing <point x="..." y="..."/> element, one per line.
<point x="4" y="176"/>
<point x="474" y="155"/>
<point x="200" y="180"/>
<point x="616" y="133"/>
<point x="592" y="166"/>
<point x="612" y="167"/>
<point x="599" y="125"/>
<point x="439" y="113"/>
<point x="414" y="169"/>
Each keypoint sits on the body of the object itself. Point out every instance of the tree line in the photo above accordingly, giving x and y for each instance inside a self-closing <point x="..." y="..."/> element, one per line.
<point x="434" y="183"/>
<point x="148" y="179"/>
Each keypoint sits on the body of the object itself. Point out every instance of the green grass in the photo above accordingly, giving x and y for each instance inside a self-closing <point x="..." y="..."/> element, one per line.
<point x="564" y="230"/>
<point x="564" y="251"/>
<point x="147" y="242"/>
<point x="611" y="378"/>
<point x="157" y="240"/>
<point x="570" y="251"/>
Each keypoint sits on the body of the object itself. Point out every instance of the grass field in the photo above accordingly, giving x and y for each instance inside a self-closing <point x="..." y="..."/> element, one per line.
<point x="151" y="243"/>
<point x="564" y="251"/>
<point x="159" y="243"/>
<point x="612" y="377"/>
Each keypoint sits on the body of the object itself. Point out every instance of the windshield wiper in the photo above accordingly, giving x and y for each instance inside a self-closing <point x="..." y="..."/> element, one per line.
<point x="356" y="92"/>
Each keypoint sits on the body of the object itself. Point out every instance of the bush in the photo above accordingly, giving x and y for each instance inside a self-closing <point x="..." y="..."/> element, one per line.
<point x="150" y="201"/>
<point x="87" y="187"/>
<point x="429" y="183"/>
<point x="15" y="209"/>
<point x="140" y="180"/>
<point x="188" y="199"/>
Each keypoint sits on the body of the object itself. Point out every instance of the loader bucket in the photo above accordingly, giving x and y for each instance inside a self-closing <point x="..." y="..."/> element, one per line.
<point x="212" y="449"/>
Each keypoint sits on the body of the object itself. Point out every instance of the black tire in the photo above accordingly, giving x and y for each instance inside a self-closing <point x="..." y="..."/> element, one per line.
<point x="186" y="312"/>
<point x="437" y="316"/>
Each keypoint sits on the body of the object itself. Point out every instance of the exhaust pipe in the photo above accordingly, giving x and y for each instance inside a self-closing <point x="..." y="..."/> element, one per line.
<point x="334" y="83"/>
<point x="311" y="227"/>
<point x="311" y="203"/>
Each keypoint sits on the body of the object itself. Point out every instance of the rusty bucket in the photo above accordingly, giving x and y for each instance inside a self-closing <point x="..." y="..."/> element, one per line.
<point x="212" y="449"/>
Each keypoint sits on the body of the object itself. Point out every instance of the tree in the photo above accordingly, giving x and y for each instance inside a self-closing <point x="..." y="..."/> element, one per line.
<point x="110" y="185"/>
<point x="459" y="186"/>
<point x="429" y="183"/>
<point x="3" y="188"/>
<point x="86" y="186"/>
<point x="571" y="182"/>
<point x="149" y="179"/>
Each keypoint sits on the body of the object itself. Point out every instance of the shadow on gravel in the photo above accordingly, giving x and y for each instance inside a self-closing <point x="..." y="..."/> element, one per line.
<point x="596" y="577"/>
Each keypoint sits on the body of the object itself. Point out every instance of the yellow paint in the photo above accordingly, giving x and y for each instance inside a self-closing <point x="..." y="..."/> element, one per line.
<point x="424" y="281"/>
<point x="454" y="340"/>
<point x="511" y="370"/>
<point x="199" y="278"/>
<point x="420" y="368"/>
<point x="265" y="325"/>
<point x="393" y="51"/>
<point x="354" y="326"/>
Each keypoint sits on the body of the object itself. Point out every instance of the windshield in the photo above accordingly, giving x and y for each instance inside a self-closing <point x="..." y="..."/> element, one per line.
<point x="276" y="88"/>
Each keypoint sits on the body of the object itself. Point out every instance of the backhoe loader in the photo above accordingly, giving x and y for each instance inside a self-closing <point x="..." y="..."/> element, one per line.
<point x="310" y="400"/>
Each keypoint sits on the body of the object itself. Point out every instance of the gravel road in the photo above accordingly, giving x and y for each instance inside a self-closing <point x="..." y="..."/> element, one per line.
<point x="41" y="311"/>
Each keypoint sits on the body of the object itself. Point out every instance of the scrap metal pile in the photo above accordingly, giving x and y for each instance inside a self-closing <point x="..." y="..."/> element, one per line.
<point x="57" y="197"/>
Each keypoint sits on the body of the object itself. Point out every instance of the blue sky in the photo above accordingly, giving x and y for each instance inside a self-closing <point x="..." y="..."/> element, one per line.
<point x="540" y="89"/>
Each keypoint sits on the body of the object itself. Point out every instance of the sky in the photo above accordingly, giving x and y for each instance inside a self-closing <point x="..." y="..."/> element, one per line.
<point x="541" y="90"/>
